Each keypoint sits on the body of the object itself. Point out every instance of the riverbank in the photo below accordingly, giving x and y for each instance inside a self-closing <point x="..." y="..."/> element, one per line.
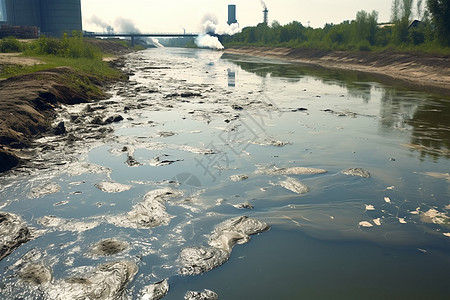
<point x="424" y="71"/>
<point x="28" y="102"/>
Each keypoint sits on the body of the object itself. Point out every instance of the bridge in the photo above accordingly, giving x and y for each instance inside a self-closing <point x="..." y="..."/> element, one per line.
<point x="133" y="36"/>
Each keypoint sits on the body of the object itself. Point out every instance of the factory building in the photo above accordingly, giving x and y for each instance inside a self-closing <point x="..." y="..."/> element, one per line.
<point x="52" y="17"/>
<point x="231" y="14"/>
<point x="2" y="11"/>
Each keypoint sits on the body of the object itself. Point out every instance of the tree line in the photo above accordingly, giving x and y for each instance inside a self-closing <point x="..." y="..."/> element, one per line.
<point x="414" y="24"/>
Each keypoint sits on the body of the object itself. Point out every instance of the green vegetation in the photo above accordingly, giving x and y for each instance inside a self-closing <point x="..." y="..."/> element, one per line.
<point x="430" y="33"/>
<point x="10" y="45"/>
<point x="68" y="51"/>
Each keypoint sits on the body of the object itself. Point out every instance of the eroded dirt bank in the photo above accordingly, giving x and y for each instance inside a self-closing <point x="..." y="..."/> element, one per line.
<point x="431" y="73"/>
<point x="28" y="103"/>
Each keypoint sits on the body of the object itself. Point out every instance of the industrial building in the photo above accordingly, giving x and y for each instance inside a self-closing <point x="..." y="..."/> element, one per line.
<point x="2" y="11"/>
<point x="52" y="17"/>
<point x="232" y="14"/>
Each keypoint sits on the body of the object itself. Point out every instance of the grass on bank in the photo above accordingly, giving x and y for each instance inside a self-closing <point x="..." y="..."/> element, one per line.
<point x="68" y="51"/>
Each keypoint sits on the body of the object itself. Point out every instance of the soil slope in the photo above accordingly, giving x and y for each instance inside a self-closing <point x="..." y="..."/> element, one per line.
<point x="27" y="106"/>
<point x="430" y="72"/>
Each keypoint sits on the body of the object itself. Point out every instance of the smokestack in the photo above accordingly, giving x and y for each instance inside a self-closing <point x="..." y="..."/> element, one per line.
<point x="265" y="12"/>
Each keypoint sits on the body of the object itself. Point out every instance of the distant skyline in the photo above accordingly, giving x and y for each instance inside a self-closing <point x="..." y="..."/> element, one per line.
<point x="189" y="15"/>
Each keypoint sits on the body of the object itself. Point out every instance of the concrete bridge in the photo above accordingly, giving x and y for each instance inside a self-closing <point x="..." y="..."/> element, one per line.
<point x="133" y="36"/>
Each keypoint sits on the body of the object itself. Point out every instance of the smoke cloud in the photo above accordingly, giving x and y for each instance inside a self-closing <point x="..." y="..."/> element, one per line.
<point x="207" y="41"/>
<point x="210" y="27"/>
<point x="263" y="4"/>
<point x="124" y="26"/>
<point x="99" y="22"/>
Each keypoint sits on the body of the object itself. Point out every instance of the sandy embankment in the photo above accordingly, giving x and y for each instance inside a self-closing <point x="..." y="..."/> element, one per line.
<point x="423" y="71"/>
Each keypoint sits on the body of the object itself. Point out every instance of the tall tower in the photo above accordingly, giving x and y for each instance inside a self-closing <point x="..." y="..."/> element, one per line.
<point x="266" y="16"/>
<point x="265" y="12"/>
<point x="231" y="14"/>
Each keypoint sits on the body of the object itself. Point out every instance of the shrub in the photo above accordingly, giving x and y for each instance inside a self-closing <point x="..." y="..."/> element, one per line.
<point x="69" y="47"/>
<point x="10" y="45"/>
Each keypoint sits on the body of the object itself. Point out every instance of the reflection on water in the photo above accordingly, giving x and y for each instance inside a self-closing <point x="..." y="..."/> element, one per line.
<point x="428" y="116"/>
<point x="209" y="138"/>
<point x="231" y="78"/>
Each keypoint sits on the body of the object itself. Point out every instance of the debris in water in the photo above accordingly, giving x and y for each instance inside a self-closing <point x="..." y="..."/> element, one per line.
<point x="13" y="233"/>
<point x="356" y="172"/>
<point x="197" y="260"/>
<point x="365" y="224"/>
<point x="67" y="225"/>
<point x="377" y="221"/>
<point x="46" y="189"/>
<point x="109" y="247"/>
<point x="402" y="220"/>
<point x="197" y="150"/>
<point x="205" y="295"/>
<point x="235" y="231"/>
<point x="155" y="291"/>
<point x="112" y="187"/>
<point x="160" y="161"/>
<point x="369" y="207"/>
<point x="387" y="200"/>
<point x="149" y="213"/>
<point x="438" y="175"/>
<point x="294" y="185"/>
<point x="434" y="216"/>
<point x="36" y="274"/>
<point x="243" y="206"/>
<point x="239" y="177"/>
<point x="291" y="171"/>
<point x="60" y="203"/>
<point x="107" y="281"/>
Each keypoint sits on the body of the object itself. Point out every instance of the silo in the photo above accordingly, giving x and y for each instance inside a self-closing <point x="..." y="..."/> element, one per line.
<point x="2" y="11"/>
<point x="23" y="12"/>
<point x="60" y="16"/>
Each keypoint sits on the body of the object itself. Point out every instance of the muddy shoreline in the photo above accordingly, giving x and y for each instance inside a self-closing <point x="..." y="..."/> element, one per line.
<point x="420" y="71"/>
<point x="29" y="103"/>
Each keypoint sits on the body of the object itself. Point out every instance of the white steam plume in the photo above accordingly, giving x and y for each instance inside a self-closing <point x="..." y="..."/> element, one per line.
<point x="210" y="25"/>
<point x="99" y="22"/>
<point x="124" y="26"/>
<point x="263" y="4"/>
<point x="207" y="41"/>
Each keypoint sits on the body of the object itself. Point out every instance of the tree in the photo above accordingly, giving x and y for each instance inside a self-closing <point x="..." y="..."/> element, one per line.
<point x="419" y="10"/>
<point x="366" y="26"/>
<point x="407" y="9"/>
<point x="440" y="14"/>
<point x="395" y="11"/>
<point x="401" y="10"/>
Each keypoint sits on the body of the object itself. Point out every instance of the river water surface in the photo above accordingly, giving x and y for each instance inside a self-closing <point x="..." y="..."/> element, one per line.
<point x="228" y="136"/>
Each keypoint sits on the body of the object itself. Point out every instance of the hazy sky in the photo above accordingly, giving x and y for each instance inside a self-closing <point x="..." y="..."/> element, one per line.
<point x="173" y="15"/>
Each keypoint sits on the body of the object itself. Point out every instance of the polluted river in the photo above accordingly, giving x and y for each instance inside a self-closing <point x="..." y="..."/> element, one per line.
<point x="209" y="175"/>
